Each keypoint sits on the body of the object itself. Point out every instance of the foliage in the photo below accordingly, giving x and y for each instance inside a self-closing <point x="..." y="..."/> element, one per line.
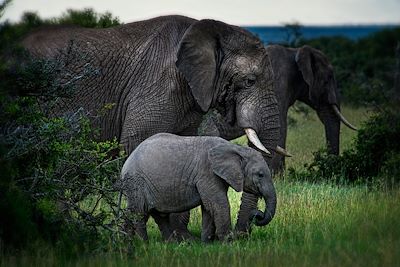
<point x="316" y="224"/>
<point x="50" y="165"/>
<point x="293" y="33"/>
<point x="56" y="182"/>
<point x="12" y="33"/>
<point x="364" y="67"/>
<point x="87" y="18"/>
<point x="375" y="153"/>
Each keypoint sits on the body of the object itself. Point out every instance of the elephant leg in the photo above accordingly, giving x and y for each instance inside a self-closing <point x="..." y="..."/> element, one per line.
<point x="217" y="205"/>
<point x="207" y="226"/>
<point x="179" y="226"/>
<point x="222" y="220"/>
<point x="162" y="220"/>
<point x="140" y="226"/>
<point x="243" y="224"/>
<point x="179" y="221"/>
<point x="136" y="224"/>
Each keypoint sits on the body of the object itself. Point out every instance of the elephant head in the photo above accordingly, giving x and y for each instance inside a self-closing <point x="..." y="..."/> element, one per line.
<point x="321" y="93"/>
<point x="227" y="68"/>
<point x="245" y="169"/>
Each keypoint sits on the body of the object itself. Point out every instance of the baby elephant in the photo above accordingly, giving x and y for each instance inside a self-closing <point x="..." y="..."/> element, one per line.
<point x="168" y="173"/>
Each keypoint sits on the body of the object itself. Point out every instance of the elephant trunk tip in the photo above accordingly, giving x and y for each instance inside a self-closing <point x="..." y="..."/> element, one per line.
<point x="260" y="218"/>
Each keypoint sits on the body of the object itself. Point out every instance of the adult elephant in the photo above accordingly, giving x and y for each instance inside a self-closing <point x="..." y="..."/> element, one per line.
<point x="163" y="74"/>
<point x="302" y="74"/>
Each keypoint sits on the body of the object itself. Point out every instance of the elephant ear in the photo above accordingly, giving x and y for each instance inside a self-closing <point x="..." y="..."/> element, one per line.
<point x="226" y="162"/>
<point x="197" y="59"/>
<point x="314" y="66"/>
<point x="304" y="60"/>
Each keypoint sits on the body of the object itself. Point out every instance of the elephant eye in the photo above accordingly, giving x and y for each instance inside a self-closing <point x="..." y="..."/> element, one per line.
<point x="250" y="82"/>
<point x="260" y="174"/>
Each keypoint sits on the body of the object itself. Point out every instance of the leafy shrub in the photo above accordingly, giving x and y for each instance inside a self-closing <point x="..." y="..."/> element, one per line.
<point x="374" y="154"/>
<point x="55" y="177"/>
<point x="56" y="182"/>
<point x="11" y="33"/>
<point x="87" y="18"/>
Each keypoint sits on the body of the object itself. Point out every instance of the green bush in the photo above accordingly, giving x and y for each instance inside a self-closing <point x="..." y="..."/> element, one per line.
<point x="87" y="18"/>
<point x="11" y="33"/>
<point x="56" y="181"/>
<point x="55" y="178"/>
<point x="375" y="154"/>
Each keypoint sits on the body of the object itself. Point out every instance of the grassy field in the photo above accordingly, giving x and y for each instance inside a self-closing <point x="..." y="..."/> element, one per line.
<point x="308" y="134"/>
<point x="316" y="224"/>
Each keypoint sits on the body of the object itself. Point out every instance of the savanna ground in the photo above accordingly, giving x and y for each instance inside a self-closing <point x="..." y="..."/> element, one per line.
<point x="323" y="224"/>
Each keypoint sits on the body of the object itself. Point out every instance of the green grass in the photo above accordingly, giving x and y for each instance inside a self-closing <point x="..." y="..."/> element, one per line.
<point x="316" y="224"/>
<point x="308" y="134"/>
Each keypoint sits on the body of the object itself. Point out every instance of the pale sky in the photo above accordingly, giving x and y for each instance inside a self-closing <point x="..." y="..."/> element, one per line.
<point x="247" y="12"/>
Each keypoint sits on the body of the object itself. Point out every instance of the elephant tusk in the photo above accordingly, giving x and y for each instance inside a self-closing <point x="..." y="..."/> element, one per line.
<point x="282" y="151"/>
<point x="253" y="138"/>
<point x="342" y="118"/>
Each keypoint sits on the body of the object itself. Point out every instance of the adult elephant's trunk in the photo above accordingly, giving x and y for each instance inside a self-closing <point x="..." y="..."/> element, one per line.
<point x="263" y="218"/>
<point x="262" y="115"/>
<point x="332" y="128"/>
<point x="259" y="117"/>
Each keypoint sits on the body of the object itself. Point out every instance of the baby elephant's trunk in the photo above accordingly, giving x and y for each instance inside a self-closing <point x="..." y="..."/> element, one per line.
<point x="263" y="218"/>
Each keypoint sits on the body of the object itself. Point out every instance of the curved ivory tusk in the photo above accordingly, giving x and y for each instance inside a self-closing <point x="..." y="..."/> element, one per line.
<point x="253" y="138"/>
<point x="342" y="118"/>
<point x="282" y="151"/>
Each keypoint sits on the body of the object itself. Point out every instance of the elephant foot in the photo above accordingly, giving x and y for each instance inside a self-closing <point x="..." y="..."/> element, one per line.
<point x="230" y="237"/>
<point x="242" y="234"/>
<point x="243" y="228"/>
<point x="243" y="223"/>
<point x="181" y="236"/>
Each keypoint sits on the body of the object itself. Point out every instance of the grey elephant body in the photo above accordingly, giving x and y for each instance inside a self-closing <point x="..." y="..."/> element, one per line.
<point x="163" y="74"/>
<point x="168" y="173"/>
<point x="135" y="63"/>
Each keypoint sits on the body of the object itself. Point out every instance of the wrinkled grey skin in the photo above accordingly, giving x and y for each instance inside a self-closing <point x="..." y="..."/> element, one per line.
<point x="169" y="173"/>
<point x="302" y="74"/>
<point x="163" y="74"/>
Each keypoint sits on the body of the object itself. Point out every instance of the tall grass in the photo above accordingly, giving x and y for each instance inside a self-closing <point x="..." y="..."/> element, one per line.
<point x="316" y="224"/>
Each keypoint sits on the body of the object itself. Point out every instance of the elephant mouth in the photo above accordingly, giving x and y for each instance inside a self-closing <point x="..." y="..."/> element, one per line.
<point x="253" y="138"/>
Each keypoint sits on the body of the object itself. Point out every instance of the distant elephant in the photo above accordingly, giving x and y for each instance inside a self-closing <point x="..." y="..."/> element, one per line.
<point x="169" y="173"/>
<point x="163" y="75"/>
<point x="303" y="74"/>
